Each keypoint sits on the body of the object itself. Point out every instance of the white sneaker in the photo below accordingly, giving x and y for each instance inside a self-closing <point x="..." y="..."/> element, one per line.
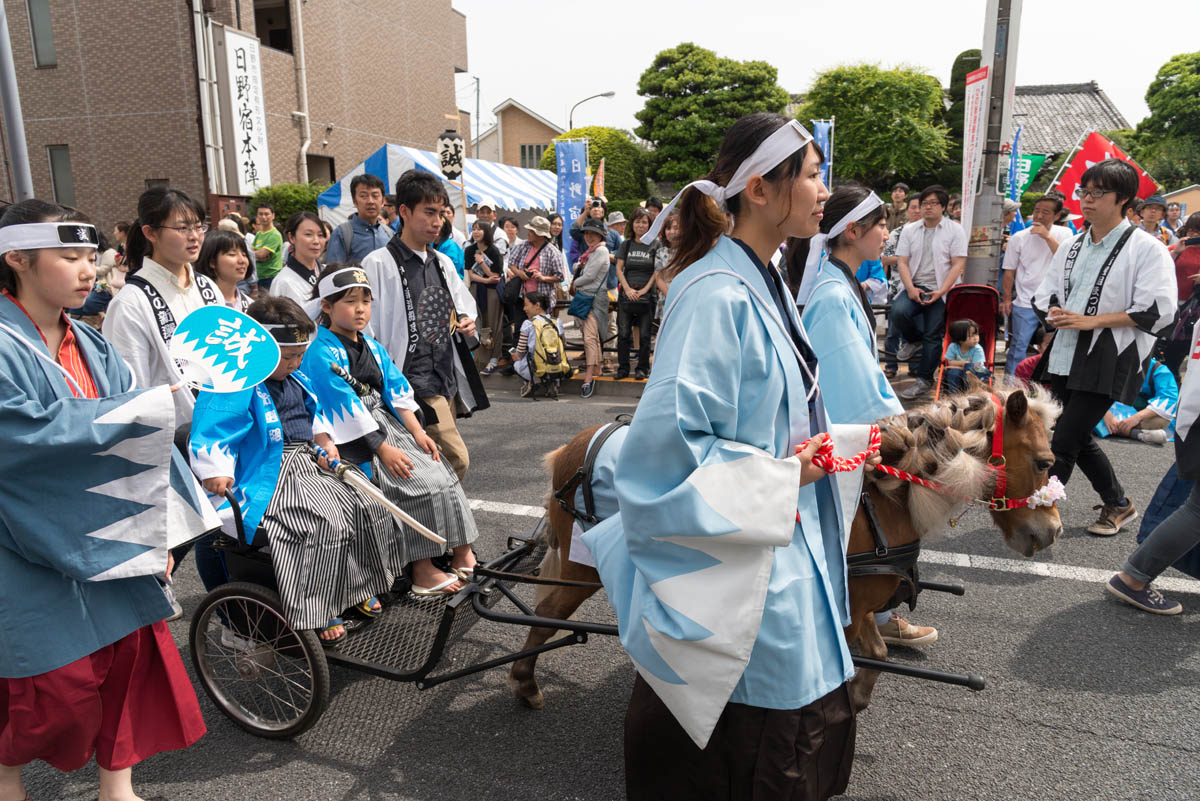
<point x="1158" y="437"/>
<point x="176" y="609"/>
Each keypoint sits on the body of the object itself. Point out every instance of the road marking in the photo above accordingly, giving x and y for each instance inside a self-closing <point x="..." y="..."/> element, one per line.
<point x="933" y="557"/>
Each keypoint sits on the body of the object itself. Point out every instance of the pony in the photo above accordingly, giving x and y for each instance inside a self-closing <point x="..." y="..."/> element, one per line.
<point x="949" y="443"/>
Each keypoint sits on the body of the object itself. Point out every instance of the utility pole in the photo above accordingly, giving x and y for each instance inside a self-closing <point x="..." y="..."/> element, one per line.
<point x="14" y="122"/>
<point x="986" y="236"/>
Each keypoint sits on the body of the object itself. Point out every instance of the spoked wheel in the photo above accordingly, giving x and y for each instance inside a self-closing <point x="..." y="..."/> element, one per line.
<point x="268" y="678"/>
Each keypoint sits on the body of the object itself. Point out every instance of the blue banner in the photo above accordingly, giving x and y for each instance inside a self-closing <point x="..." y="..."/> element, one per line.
<point x="572" y="179"/>
<point x="1014" y="158"/>
<point x="822" y="132"/>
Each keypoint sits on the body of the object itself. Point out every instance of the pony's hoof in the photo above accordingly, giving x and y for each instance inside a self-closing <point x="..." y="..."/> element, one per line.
<point x="521" y="689"/>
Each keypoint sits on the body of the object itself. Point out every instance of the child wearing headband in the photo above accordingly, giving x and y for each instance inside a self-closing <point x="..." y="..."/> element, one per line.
<point x="332" y="549"/>
<point x="725" y="564"/>
<point x="87" y="665"/>
<point x="373" y="420"/>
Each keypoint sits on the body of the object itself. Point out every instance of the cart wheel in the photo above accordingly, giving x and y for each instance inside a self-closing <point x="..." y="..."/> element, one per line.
<point x="269" y="679"/>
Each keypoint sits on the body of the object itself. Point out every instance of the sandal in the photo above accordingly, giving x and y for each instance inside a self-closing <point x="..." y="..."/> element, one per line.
<point x="440" y="589"/>
<point x="463" y="573"/>
<point x="335" y="641"/>
<point x="370" y="608"/>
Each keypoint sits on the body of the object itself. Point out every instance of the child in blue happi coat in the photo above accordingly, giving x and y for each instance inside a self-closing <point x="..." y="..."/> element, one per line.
<point x="372" y="415"/>
<point x="331" y="548"/>
<point x="964" y="354"/>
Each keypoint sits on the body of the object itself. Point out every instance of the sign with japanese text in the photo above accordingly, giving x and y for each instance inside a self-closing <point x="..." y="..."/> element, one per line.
<point x="822" y="132"/>
<point x="974" y="134"/>
<point x="570" y="158"/>
<point x="220" y="349"/>
<point x="246" y="126"/>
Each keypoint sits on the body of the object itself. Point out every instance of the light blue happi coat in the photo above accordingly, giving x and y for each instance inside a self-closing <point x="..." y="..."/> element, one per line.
<point x="843" y="336"/>
<point x="238" y="434"/>
<point x="347" y="416"/>
<point x="93" y="496"/>
<point x="721" y="595"/>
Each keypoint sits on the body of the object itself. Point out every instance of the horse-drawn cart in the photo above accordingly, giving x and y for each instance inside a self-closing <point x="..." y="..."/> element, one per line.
<point x="273" y="681"/>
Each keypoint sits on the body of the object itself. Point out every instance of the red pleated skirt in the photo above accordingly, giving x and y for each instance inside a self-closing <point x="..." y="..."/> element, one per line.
<point x="123" y="703"/>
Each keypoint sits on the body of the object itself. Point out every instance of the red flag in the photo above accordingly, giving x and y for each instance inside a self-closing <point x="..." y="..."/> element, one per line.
<point x="1097" y="148"/>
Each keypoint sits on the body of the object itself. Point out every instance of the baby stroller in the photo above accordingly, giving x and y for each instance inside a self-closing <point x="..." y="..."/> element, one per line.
<point x="980" y="303"/>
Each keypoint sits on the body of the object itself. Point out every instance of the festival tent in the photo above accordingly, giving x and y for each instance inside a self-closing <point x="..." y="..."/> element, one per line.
<point x="508" y="187"/>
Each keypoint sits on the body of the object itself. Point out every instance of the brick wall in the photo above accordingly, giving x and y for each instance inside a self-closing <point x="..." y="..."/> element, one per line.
<point x="123" y="96"/>
<point x="518" y="128"/>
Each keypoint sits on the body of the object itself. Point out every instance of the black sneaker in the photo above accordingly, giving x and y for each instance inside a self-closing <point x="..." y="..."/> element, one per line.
<point x="640" y="375"/>
<point x="1148" y="599"/>
<point x="587" y="389"/>
<point x="622" y="373"/>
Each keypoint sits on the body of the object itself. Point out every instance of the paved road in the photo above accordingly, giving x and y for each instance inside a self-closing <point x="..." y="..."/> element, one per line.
<point x="1086" y="698"/>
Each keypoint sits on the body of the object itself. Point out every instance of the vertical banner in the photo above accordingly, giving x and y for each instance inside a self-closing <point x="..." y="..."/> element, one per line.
<point x="1014" y="159"/>
<point x="822" y="132"/>
<point x="598" y="191"/>
<point x="1027" y="169"/>
<point x="974" y="132"/>
<point x="570" y="156"/>
<point x="244" y="113"/>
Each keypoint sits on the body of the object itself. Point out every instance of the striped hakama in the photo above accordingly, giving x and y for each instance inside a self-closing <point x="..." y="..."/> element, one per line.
<point x="433" y="494"/>
<point x="331" y="548"/>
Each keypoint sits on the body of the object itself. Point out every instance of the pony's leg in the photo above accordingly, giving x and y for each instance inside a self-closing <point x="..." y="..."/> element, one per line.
<point x="871" y="645"/>
<point x="559" y="603"/>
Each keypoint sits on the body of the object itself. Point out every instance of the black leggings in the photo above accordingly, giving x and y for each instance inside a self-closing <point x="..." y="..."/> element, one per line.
<point x="1074" y="443"/>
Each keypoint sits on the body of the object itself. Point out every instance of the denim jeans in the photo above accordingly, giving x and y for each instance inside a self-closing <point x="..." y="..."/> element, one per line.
<point x="956" y="377"/>
<point x="1023" y="322"/>
<point x="921" y="323"/>
<point x="627" y="313"/>
<point x="1170" y="540"/>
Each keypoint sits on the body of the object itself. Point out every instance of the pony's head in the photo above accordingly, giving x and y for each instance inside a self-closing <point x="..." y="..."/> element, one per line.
<point x="950" y="441"/>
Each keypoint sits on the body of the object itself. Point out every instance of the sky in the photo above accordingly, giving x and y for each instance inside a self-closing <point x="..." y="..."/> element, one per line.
<point x="547" y="56"/>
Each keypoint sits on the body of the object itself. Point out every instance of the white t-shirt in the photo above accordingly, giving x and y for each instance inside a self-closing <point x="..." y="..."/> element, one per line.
<point x="1029" y="255"/>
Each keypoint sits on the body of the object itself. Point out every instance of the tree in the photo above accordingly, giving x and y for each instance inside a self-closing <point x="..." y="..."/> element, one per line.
<point x="888" y="121"/>
<point x="1167" y="143"/>
<point x="692" y="97"/>
<point x="1174" y="100"/>
<point x="287" y="199"/>
<point x="624" y="161"/>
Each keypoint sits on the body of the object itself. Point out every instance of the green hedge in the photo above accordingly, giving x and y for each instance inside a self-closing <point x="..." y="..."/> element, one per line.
<point x="287" y="199"/>
<point x="1028" y="200"/>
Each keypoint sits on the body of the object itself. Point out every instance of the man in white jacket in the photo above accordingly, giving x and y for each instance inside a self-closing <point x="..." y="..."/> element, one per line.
<point x="421" y="305"/>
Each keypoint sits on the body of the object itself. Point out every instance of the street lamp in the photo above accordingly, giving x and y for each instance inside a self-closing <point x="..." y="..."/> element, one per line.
<point x="571" y="115"/>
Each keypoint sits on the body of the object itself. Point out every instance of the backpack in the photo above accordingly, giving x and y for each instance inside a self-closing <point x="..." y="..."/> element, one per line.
<point x="347" y="231"/>
<point x="547" y="353"/>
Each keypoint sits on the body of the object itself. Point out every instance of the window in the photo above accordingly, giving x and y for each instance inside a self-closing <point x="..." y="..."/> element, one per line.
<point x="320" y="169"/>
<point x="273" y="22"/>
<point x="531" y="155"/>
<point x="43" y="34"/>
<point x="60" y="175"/>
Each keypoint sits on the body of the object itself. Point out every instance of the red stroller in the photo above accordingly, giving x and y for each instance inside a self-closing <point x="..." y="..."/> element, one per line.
<point x="977" y="302"/>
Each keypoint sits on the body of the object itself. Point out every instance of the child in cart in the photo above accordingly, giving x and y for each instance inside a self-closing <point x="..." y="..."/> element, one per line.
<point x="373" y="421"/>
<point x="87" y="665"/>
<point x="964" y="355"/>
<point x="331" y="549"/>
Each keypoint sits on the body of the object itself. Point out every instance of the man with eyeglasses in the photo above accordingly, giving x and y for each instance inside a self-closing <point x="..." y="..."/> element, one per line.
<point x="1109" y="293"/>
<point x="931" y="256"/>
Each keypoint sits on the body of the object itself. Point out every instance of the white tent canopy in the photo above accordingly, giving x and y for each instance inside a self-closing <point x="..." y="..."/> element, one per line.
<point x="513" y="188"/>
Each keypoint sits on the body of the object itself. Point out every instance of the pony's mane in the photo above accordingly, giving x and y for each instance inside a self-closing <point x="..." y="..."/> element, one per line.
<point x="947" y="441"/>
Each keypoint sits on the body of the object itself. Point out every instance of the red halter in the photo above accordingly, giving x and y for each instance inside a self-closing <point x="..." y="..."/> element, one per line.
<point x="825" y="459"/>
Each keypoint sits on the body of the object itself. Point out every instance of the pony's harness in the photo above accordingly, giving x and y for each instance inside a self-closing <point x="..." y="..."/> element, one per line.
<point x="899" y="561"/>
<point x="565" y="495"/>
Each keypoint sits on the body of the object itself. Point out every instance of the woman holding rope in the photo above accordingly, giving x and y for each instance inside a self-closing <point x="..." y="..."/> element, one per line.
<point x="833" y="303"/>
<point x="725" y="563"/>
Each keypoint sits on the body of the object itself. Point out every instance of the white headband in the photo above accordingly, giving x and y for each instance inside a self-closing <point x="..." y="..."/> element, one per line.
<point x="769" y="155"/>
<point x="340" y="281"/>
<point x="36" y="236"/>
<point x="819" y="243"/>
